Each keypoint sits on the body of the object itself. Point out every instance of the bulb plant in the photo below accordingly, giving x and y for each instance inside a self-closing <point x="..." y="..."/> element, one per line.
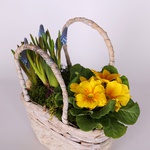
<point x="97" y="99"/>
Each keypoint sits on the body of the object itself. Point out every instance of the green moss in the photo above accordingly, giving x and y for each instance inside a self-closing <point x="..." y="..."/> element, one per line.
<point x="45" y="96"/>
<point x="37" y="93"/>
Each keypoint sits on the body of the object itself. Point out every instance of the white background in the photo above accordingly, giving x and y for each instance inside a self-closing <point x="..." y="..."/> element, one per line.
<point x="127" y="23"/>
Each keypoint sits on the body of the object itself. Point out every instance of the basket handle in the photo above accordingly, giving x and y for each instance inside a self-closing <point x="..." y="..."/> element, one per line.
<point x="96" y="27"/>
<point x="54" y="68"/>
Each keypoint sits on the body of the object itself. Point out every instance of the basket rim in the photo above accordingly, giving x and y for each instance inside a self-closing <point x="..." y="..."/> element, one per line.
<point x="43" y="117"/>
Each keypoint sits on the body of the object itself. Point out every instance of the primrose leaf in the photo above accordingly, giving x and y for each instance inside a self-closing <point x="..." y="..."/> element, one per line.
<point x="115" y="129"/>
<point x="86" y="123"/>
<point x="129" y="113"/>
<point x="125" y="80"/>
<point x="110" y="68"/>
<point x="75" y="70"/>
<point x="71" y="99"/>
<point x="79" y="112"/>
<point x="58" y="100"/>
<point x="97" y="114"/>
<point x="87" y="73"/>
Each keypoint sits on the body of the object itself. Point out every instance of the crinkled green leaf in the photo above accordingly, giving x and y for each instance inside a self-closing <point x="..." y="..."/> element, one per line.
<point x="58" y="99"/>
<point x="111" y="69"/>
<point x="105" y="121"/>
<point x="71" y="99"/>
<point x="115" y="129"/>
<point x="86" y="123"/>
<point x="80" y="112"/>
<point x="97" y="114"/>
<point x="75" y="70"/>
<point x="87" y="73"/>
<point x="125" y="80"/>
<point x="78" y="70"/>
<point x="129" y="113"/>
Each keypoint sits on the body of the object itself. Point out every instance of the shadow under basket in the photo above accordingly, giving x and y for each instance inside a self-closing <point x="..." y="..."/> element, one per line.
<point x="50" y="131"/>
<point x="55" y="135"/>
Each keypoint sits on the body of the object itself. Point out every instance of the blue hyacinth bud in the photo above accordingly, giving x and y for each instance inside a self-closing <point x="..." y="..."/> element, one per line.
<point x="23" y="55"/>
<point x="41" y="30"/>
<point x="63" y="37"/>
<point x="25" y="41"/>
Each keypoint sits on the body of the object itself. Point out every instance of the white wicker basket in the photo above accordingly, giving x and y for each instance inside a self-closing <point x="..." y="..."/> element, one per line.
<point x="51" y="132"/>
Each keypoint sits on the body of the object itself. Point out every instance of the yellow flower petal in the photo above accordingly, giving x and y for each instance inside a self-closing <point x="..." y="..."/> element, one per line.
<point x="119" y="93"/>
<point x="89" y="93"/>
<point x="84" y="102"/>
<point x="106" y="76"/>
<point x="73" y="87"/>
<point x="83" y="78"/>
<point x="102" y="99"/>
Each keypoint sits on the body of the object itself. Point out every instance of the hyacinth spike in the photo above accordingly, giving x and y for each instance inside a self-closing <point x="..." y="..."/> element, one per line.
<point x="24" y="59"/>
<point x="25" y="41"/>
<point x="23" y="55"/>
<point x="63" y="37"/>
<point x="41" y="30"/>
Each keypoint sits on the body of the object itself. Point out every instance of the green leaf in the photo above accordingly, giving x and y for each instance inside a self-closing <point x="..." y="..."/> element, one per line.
<point x="125" y="80"/>
<point x="58" y="100"/>
<point x="79" y="112"/>
<point x="32" y="39"/>
<point x="13" y="52"/>
<point x="110" y="68"/>
<point x="129" y="113"/>
<point x="75" y="70"/>
<point x="75" y="105"/>
<point x="73" y="102"/>
<point x="38" y="70"/>
<point x="97" y="114"/>
<point x="105" y="121"/>
<point x="86" y="123"/>
<point x="50" y="75"/>
<point x="87" y="73"/>
<point x="115" y="129"/>
<point x="78" y="70"/>
<point x="41" y="44"/>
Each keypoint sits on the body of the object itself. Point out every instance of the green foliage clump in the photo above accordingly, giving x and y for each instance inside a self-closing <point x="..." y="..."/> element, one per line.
<point x="37" y="93"/>
<point x="46" y="96"/>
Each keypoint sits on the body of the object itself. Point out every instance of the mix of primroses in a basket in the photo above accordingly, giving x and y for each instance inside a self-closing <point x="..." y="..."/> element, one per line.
<point x="97" y="99"/>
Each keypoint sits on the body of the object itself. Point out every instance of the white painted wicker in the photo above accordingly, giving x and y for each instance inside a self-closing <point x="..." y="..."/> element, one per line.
<point x="51" y="132"/>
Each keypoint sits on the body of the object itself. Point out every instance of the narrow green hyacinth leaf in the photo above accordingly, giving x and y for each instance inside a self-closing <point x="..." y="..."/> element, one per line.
<point x="50" y="75"/>
<point x="32" y="39"/>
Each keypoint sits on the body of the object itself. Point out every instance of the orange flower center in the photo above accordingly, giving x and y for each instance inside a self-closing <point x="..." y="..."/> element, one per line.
<point x="90" y="96"/>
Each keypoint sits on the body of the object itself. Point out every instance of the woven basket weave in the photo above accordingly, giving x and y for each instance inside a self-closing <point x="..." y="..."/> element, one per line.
<point x="53" y="133"/>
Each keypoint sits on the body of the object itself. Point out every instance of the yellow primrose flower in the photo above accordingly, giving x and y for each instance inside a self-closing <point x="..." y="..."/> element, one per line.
<point x="89" y="93"/>
<point x="118" y="92"/>
<point x="106" y="76"/>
